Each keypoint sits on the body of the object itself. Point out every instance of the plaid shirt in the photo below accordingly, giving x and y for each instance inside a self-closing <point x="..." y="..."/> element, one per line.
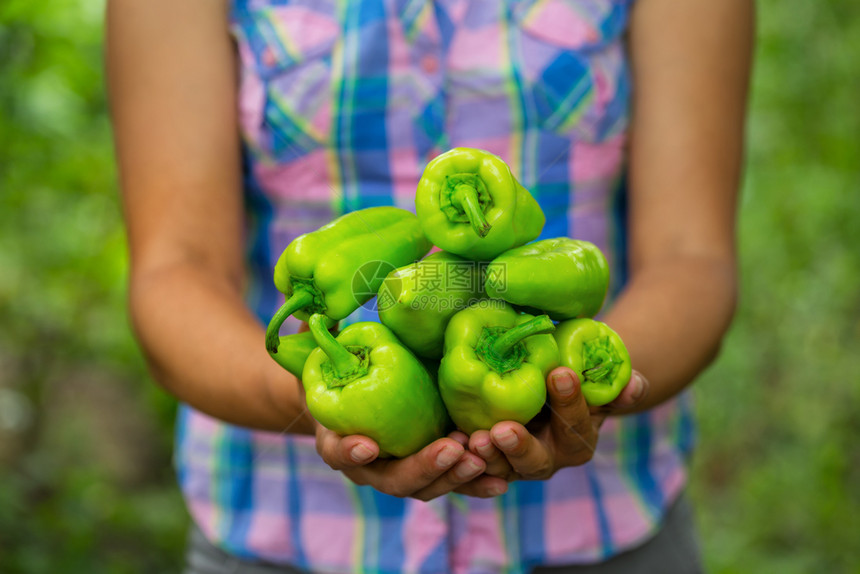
<point x="341" y="106"/>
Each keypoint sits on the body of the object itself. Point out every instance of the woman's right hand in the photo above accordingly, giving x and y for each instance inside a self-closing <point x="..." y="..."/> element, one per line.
<point x="443" y="466"/>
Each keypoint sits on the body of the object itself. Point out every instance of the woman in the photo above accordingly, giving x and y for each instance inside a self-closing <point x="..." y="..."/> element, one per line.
<point x="240" y="125"/>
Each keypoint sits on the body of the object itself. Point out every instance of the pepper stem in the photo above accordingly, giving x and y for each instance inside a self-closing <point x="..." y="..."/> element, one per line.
<point x="343" y="362"/>
<point x="599" y="371"/>
<point x="601" y="358"/>
<point x="300" y="298"/>
<point x="466" y="197"/>
<point x="537" y="326"/>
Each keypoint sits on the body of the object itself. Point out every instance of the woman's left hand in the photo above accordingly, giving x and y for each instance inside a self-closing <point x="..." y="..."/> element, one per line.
<point x="569" y="438"/>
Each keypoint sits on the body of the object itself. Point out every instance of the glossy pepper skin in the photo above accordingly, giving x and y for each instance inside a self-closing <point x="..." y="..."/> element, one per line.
<point x="317" y="270"/>
<point x="564" y="278"/>
<point x="418" y="300"/>
<point x="495" y="365"/>
<point x="471" y="205"/>
<point x="598" y="356"/>
<point x="293" y="351"/>
<point x="366" y="382"/>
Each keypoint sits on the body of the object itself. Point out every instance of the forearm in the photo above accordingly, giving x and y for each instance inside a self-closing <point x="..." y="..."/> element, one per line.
<point x="206" y="348"/>
<point x="672" y="317"/>
<point x="171" y="74"/>
<point x="690" y="64"/>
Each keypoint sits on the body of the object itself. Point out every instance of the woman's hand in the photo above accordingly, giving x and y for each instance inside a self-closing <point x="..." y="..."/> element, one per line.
<point x="441" y="467"/>
<point x="513" y="452"/>
<point x="481" y="465"/>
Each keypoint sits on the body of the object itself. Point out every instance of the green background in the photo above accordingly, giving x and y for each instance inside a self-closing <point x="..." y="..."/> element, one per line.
<point x="85" y="436"/>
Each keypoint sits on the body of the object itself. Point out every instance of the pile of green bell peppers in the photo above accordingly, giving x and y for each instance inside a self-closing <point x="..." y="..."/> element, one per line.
<point x="468" y="334"/>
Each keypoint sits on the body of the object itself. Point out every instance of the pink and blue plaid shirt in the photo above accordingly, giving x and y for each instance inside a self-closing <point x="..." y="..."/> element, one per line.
<point x="341" y="106"/>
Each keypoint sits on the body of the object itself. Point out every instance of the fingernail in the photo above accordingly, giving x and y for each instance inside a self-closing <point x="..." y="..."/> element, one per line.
<point x="563" y="383"/>
<point x="448" y="456"/>
<point x="484" y="448"/>
<point x="507" y="439"/>
<point x="640" y="388"/>
<point x="467" y="469"/>
<point x="360" y="453"/>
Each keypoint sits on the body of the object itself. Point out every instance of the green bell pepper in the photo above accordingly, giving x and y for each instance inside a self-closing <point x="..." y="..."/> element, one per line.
<point x="495" y="365"/>
<point x="318" y="271"/>
<point x="418" y="300"/>
<point x="293" y="351"/>
<point x="471" y="205"/>
<point x="366" y="382"/>
<point x="598" y="356"/>
<point x="564" y="278"/>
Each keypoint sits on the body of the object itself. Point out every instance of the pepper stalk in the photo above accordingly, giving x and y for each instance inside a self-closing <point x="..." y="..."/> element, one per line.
<point x="344" y="364"/>
<point x="300" y="299"/>
<point x="501" y="348"/>
<point x="461" y="190"/>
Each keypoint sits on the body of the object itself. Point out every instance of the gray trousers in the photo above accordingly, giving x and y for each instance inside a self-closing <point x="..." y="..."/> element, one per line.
<point x="673" y="550"/>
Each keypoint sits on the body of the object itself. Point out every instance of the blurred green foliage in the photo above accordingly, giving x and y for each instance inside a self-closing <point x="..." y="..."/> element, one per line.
<point x="85" y="437"/>
<point x="777" y="474"/>
<point x="85" y="477"/>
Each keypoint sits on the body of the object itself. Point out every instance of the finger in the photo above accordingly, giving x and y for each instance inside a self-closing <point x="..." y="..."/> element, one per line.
<point x="528" y="456"/>
<point x="469" y="467"/>
<point x="406" y="476"/>
<point x="483" y="487"/>
<point x="571" y="423"/>
<point x="633" y="393"/>
<point x="347" y="452"/>
<point x="631" y="397"/>
<point x="460" y="437"/>
<point x="481" y="444"/>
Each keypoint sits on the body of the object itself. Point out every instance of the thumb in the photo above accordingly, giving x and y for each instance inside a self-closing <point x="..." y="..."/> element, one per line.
<point x="563" y="388"/>
<point x="570" y="419"/>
